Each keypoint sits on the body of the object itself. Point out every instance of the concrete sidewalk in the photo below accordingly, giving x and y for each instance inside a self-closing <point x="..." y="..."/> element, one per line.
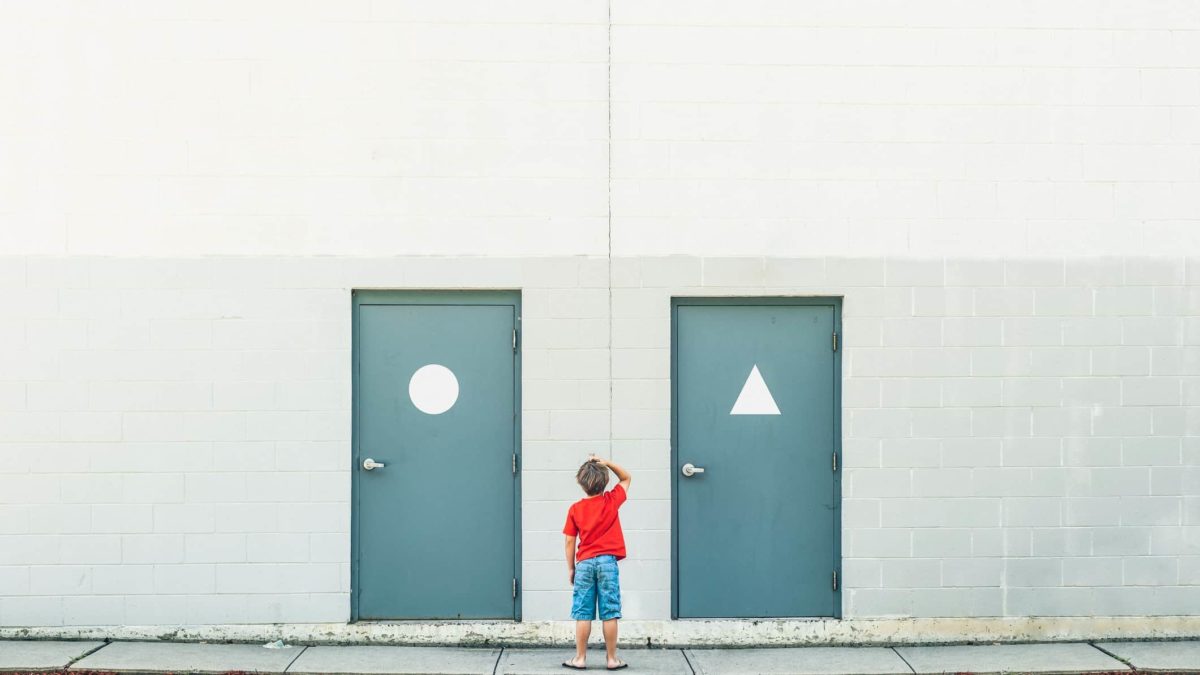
<point x="180" y="657"/>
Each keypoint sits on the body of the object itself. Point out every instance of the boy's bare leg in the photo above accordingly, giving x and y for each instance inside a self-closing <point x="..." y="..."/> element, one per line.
<point x="583" y="630"/>
<point x="610" y="642"/>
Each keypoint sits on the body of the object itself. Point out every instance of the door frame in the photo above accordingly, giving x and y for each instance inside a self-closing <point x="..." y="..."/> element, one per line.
<point x="832" y="302"/>
<point x="362" y="297"/>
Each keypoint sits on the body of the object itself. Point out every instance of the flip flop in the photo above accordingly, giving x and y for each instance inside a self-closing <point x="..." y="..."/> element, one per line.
<point x="567" y="664"/>
<point x="623" y="665"/>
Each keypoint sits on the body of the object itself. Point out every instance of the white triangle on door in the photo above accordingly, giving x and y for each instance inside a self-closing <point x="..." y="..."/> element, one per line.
<point x="755" y="398"/>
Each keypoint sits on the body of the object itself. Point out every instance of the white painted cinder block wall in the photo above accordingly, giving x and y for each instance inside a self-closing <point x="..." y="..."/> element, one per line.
<point x="1005" y="194"/>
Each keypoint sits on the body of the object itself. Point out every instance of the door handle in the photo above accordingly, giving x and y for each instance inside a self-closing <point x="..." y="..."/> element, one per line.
<point x="370" y="464"/>
<point x="690" y="470"/>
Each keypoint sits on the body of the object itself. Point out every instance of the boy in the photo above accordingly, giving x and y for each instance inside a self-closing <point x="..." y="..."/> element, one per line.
<point x="593" y="572"/>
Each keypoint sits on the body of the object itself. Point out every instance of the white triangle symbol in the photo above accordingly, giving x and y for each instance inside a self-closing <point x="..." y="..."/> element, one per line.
<point x="755" y="398"/>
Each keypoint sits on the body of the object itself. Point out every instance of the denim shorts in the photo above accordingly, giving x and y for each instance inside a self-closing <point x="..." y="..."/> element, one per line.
<point x="597" y="584"/>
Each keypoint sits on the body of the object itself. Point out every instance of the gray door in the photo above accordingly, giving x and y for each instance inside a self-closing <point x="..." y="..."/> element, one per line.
<point x="435" y="481"/>
<point x="755" y="402"/>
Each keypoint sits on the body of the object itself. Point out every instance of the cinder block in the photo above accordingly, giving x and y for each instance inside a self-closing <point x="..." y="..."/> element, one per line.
<point x="1154" y="271"/>
<point x="641" y="332"/>
<point x="794" y="272"/>
<point x="912" y="573"/>
<point x="878" y="543"/>
<point x="1032" y="391"/>
<point x="991" y="361"/>
<point x="971" y="452"/>
<point x="1092" y="331"/>
<point x="941" y="422"/>
<point x="1034" y="272"/>
<point x="1070" y="361"/>
<point x="968" y="392"/>
<point x="1033" y="572"/>
<point x="1047" y="601"/>
<point x="1032" y="331"/>
<point x="1138" y="391"/>
<point x="947" y="302"/>
<point x="184" y="579"/>
<point x="880" y="602"/>
<point x="151" y="548"/>
<point x="942" y="482"/>
<point x="910" y="392"/>
<point x="733" y="272"/>
<point x="880" y="423"/>
<point x="1123" y="541"/>
<point x="1001" y="422"/>
<point x="910" y="452"/>
<point x="943" y="512"/>
<point x="670" y="272"/>
<point x="93" y="610"/>
<point x="1124" y="301"/>
<point x="215" y="548"/>
<point x="123" y="579"/>
<point x="1150" y="571"/>
<point x="942" y="543"/>
<point x="861" y="573"/>
<point x="1092" y="572"/>
<point x="1041" y="452"/>
<point x="878" y="483"/>
<point x="1151" y="331"/>
<point x="855" y="272"/>
<point x="914" y="272"/>
<point x="977" y="272"/>
<point x="1092" y="272"/>
<point x="1060" y="302"/>
<point x="122" y="518"/>
<point x="183" y="518"/>
<point x="884" y="302"/>
<point x="1004" y="301"/>
<point x="1096" y="391"/>
<point x="973" y="572"/>
<point x="860" y="513"/>
<point x="856" y="392"/>
<point x="39" y="611"/>
<point x="584" y="303"/>
<point x="1122" y="421"/>
<point x="1150" y="511"/>
<point x="1059" y="541"/>
<point x="971" y="332"/>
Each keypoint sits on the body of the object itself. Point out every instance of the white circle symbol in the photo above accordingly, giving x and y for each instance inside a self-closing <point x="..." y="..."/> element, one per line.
<point x="433" y="389"/>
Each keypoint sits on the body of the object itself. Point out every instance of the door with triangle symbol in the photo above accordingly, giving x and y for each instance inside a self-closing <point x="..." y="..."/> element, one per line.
<point x="755" y="431"/>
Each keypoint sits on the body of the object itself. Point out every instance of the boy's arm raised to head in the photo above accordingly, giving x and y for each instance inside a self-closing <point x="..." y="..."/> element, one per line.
<point x="622" y="475"/>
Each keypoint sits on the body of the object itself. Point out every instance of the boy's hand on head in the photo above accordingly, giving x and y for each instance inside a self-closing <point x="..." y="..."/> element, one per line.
<point x="597" y="460"/>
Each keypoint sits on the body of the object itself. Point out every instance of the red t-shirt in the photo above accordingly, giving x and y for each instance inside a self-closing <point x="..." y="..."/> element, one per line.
<point x="596" y="522"/>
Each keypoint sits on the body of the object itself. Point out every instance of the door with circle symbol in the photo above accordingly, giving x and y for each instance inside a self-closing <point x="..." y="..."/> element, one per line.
<point x="435" y="455"/>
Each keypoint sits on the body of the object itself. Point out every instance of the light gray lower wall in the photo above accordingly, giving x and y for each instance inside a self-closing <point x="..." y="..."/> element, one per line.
<point x="1019" y="435"/>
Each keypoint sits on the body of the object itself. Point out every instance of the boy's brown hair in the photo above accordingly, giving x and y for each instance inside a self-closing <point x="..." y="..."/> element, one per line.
<point x="592" y="477"/>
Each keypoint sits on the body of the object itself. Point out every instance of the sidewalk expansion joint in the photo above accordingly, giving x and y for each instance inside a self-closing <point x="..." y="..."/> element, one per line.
<point x="901" y="657"/>
<point x="496" y="665"/>
<point x="1097" y="647"/>
<point x="688" y="661"/>
<point x="86" y="654"/>
<point x="303" y="648"/>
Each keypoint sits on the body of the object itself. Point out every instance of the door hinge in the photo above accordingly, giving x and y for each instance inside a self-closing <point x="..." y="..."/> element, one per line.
<point x="514" y="463"/>
<point x="514" y="339"/>
<point x="515" y="586"/>
<point x="835" y="584"/>
<point x="835" y="341"/>
<point x="835" y="460"/>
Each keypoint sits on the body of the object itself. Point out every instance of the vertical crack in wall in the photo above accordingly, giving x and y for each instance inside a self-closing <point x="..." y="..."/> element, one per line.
<point x="608" y="183"/>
